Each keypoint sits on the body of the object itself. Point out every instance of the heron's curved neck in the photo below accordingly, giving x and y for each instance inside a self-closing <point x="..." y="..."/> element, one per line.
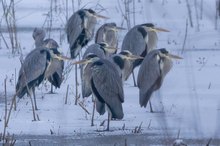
<point x="151" y="40"/>
<point x="39" y="42"/>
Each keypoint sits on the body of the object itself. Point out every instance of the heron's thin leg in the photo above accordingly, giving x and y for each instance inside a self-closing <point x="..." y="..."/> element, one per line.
<point x="151" y="108"/>
<point x="135" y="85"/>
<point x="76" y="82"/>
<point x="51" y="89"/>
<point x="35" y="102"/>
<point x="109" y="118"/>
<point x="93" y="111"/>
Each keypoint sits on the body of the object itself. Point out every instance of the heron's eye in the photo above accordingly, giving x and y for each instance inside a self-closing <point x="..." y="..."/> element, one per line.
<point x="91" y="11"/>
<point x="91" y="56"/>
<point x="164" y="51"/>
<point x="97" y="63"/>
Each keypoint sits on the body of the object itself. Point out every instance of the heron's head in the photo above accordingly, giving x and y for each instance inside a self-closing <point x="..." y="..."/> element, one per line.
<point x="92" y="13"/>
<point x="113" y="27"/>
<point x="106" y="48"/>
<point x="166" y="54"/>
<point x="125" y="54"/>
<point x="90" y="58"/>
<point x="55" y="54"/>
<point x="149" y="27"/>
<point x="38" y="34"/>
<point x="50" y="43"/>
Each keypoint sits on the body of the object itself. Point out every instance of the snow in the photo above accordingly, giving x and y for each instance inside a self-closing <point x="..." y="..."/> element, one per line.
<point x="187" y="101"/>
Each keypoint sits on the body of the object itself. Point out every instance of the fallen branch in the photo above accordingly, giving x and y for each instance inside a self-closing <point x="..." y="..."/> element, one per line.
<point x="81" y="105"/>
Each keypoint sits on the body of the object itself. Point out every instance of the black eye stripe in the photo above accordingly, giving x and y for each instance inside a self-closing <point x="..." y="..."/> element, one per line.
<point x="164" y="51"/>
<point x="124" y="53"/>
<point x="148" y="24"/>
<point x="91" y="56"/>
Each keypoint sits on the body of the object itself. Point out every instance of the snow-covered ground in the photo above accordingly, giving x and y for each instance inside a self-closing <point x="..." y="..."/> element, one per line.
<point x="189" y="98"/>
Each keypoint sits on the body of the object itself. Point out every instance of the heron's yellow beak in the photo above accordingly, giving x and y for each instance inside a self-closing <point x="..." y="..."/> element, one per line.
<point x="60" y="57"/>
<point x="84" y="61"/>
<point x="134" y="57"/>
<point x="101" y="16"/>
<point x="157" y="29"/>
<point x="110" y="49"/>
<point x="174" y="56"/>
<point x="117" y="28"/>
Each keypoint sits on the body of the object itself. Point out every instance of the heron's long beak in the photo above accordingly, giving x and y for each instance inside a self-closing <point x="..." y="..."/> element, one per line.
<point x="117" y="28"/>
<point x="134" y="57"/>
<point x="110" y="49"/>
<point x="157" y="29"/>
<point x="101" y="16"/>
<point x="84" y="61"/>
<point x="61" y="57"/>
<point x="174" y="56"/>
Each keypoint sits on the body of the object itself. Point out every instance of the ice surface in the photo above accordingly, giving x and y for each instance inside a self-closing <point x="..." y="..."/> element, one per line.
<point x="189" y="97"/>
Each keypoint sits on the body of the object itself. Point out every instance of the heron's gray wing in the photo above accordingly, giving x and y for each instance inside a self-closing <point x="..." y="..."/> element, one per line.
<point x="149" y="77"/>
<point x="100" y="107"/>
<point x="134" y="42"/>
<point x="108" y="85"/>
<point x="95" y="49"/>
<point x="32" y="70"/>
<point x="56" y="72"/>
<point x="73" y="28"/>
<point x="86" y="77"/>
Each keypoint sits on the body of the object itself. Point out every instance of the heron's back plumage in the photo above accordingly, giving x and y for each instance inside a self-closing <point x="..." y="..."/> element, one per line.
<point x="149" y="77"/>
<point x="107" y="86"/>
<point x="135" y="43"/>
<point x="79" y="31"/>
<point x="86" y="70"/>
<point x="32" y="70"/>
<point x="56" y="72"/>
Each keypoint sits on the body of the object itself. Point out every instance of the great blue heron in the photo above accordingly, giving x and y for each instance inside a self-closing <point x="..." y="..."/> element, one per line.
<point x="99" y="50"/>
<point x="80" y="29"/>
<point x="152" y="71"/>
<point x="106" y="86"/>
<point x="57" y="66"/>
<point x="123" y="61"/>
<point x="34" y="69"/>
<point x="140" y="40"/>
<point x="108" y="33"/>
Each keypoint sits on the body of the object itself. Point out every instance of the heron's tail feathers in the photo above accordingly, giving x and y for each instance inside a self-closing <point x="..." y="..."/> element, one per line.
<point x="144" y="97"/>
<point x="100" y="107"/>
<point x="116" y="110"/>
<point x="55" y="80"/>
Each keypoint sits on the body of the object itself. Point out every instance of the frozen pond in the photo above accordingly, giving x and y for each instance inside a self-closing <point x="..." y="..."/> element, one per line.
<point x="188" y="101"/>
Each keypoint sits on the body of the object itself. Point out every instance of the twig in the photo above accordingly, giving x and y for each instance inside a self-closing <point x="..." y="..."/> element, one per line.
<point x="209" y="142"/>
<point x="149" y="124"/>
<point x="5" y="81"/>
<point x="67" y="92"/>
<point x="81" y="105"/>
<point x="139" y="128"/>
<point x="186" y="32"/>
<point x="189" y="13"/>
<point x="15" y="105"/>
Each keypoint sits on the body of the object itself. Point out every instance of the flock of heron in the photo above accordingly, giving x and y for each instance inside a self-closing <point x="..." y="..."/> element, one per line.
<point x="103" y="70"/>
